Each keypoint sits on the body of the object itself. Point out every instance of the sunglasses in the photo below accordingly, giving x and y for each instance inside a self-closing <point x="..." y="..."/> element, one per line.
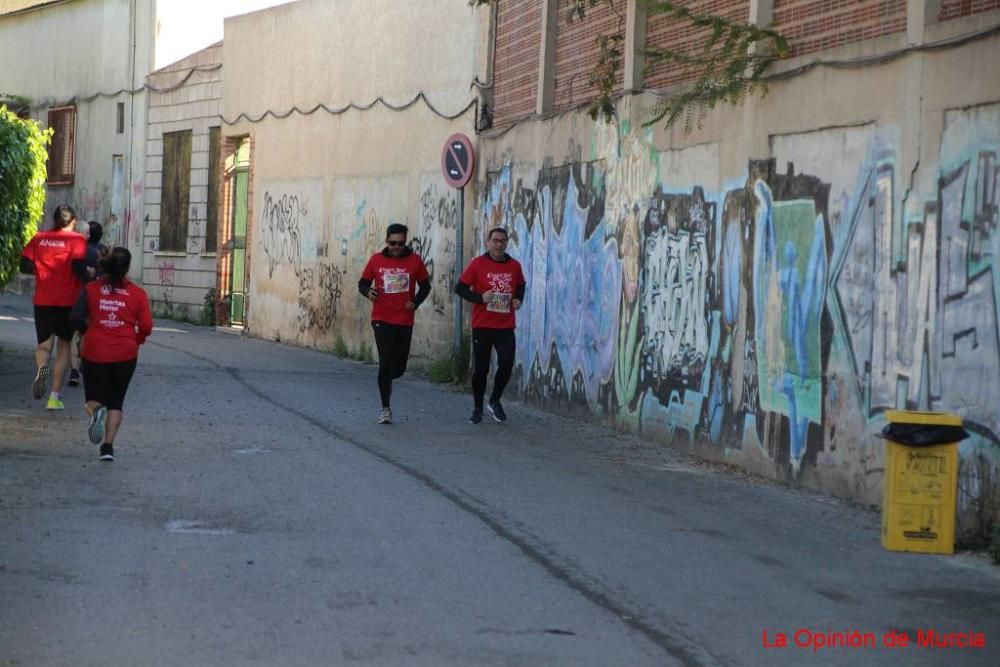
<point x="395" y="244"/>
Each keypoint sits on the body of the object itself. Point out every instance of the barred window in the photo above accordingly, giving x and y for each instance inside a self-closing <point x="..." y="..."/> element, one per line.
<point x="62" y="151"/>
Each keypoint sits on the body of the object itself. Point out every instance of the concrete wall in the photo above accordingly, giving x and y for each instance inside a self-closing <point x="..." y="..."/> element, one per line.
<point x="327" y="184"/>
<point x="46" y="58"/>
<point x="186" y="95"/>
<point x="763" y="289"/>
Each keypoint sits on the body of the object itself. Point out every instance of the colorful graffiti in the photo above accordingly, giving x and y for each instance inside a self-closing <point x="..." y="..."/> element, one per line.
<point x="768" y="314"/>
<point x="569" y="260"/>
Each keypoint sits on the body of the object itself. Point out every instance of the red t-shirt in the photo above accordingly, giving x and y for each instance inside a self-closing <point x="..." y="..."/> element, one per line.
<point x="53" y="253"/>
<point x="118" y="321"/>
<point x="483" y="274"/>
<point x="396" y="279"/>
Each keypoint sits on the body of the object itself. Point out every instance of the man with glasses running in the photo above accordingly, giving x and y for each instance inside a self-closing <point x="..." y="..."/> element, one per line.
<point x="390" y="281"/>
<point x="495" y="283"/>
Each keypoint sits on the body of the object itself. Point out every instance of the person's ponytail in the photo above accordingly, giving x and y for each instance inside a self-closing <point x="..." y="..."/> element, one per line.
<point x="115" y="265"/>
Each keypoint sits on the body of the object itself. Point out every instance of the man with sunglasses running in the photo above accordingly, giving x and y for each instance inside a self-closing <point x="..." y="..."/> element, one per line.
<point x="390" y="281"/>
<point x="495" y="283"/>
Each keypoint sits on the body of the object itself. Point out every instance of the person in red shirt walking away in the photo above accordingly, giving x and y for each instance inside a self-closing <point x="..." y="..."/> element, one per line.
<point x="495" y="283"/>
<point x="95" y="251"/>
<point x="113" y="315"/>
<point x="57" y="258"/>
<point x="390" y="281"/>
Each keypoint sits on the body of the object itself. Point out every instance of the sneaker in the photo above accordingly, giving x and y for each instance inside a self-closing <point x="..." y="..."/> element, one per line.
<point x="477" y="416"/>
<point x="386" y="416"/>
<point x="54" y="404"/>
<point x="107" y="452"/>
<point x="41" y="383"/>
<point x="74" y="377"/>
<point x="497" y="411"/>
<point x="97" y="420"/>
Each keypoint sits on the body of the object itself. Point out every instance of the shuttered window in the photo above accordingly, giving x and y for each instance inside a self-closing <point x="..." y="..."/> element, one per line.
<point x="212" y="222"/>
<point x="62" y="150"/>
<point x="176" y="193"/>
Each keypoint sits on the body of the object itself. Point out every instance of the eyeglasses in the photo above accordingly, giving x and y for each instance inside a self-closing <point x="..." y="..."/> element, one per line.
<point x="394" y="244"/>
<point x="497" y="239"/>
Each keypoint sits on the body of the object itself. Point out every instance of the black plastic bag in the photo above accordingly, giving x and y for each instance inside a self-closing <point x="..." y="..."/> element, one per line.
<point x="924" y="435"/>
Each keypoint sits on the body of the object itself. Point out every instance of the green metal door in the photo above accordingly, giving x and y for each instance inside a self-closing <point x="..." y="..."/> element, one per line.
<point x="237" y="287"/>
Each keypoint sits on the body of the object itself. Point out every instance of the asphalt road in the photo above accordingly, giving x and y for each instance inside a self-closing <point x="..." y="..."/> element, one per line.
<point x="257" y="514"/>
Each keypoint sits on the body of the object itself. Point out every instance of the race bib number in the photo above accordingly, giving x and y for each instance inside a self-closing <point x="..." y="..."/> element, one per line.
<point x="394" y="283"/>
<point x="499" y="303"/>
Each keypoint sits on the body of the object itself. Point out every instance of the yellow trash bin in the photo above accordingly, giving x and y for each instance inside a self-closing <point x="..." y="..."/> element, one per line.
<point x="921" y="475"/>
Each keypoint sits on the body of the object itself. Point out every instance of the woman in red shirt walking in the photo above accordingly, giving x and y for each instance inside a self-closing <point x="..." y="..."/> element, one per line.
<point x="113" y="313"/>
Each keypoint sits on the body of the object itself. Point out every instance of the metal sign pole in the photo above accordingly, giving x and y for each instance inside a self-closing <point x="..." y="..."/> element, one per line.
<point x="459" y="245"/>
<point x="457" y="162"/>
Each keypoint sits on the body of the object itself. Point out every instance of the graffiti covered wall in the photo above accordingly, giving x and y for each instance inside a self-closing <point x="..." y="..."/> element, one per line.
<point x="307" y="263"/>
<point x="770" y="319"/>
<point x="297" y="279"/>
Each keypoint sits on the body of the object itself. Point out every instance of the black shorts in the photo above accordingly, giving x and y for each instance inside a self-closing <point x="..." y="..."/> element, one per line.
<point x="52" y="320"/>
<point x="107" y="383"/>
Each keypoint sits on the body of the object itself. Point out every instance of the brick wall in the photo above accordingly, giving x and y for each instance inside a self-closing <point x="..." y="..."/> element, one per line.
<point x="953" y="9"/>
<point x="814" y="25"/>
<point x="577" y="52"/>
<point x="515" y="65"/>
<point x="664" y="32"/>
<point x="808" y="25"/>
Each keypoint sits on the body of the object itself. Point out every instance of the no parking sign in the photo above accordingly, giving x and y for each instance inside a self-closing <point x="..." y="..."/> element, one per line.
<point x="457" y="160"/>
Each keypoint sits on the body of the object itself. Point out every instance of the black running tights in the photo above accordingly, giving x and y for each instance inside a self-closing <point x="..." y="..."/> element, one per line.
<point x="484" y="341"/>
<point x="393" y="343"/>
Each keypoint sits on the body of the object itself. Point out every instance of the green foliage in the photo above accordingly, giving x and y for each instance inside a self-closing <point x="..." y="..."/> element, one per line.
<point x="364" y="353"/>
<point x="340" y="348"/>
<point x="22" y="186"/>
<point x="728" y="67"/>
<point x="207" y="317"/>
<point x="453" y="369"/>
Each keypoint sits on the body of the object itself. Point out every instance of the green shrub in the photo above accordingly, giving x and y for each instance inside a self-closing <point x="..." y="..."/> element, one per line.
<point x="22" y="186"/>
<point x="453" y="369"/>
<point x="340" y="348"/>
<point x="207" y="317"/>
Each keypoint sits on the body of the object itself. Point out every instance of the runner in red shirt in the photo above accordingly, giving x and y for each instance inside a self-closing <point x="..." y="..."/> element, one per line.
<point x="95" y="251"/>
<point x="57" y="259"/>
<point x="495" y="283"/>
<point x="113" y="313"/>
<point x="390" y="281"/>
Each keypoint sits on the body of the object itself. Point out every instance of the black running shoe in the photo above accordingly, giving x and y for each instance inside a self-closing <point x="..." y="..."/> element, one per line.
<point x="74" y="377"/>
<point x="107" y="452"/>
<point x="497" y="411"/>
<point x="477" y="417"/>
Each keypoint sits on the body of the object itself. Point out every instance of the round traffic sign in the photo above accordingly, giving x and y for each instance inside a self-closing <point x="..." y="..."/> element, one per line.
<point x="457" y="160"/>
